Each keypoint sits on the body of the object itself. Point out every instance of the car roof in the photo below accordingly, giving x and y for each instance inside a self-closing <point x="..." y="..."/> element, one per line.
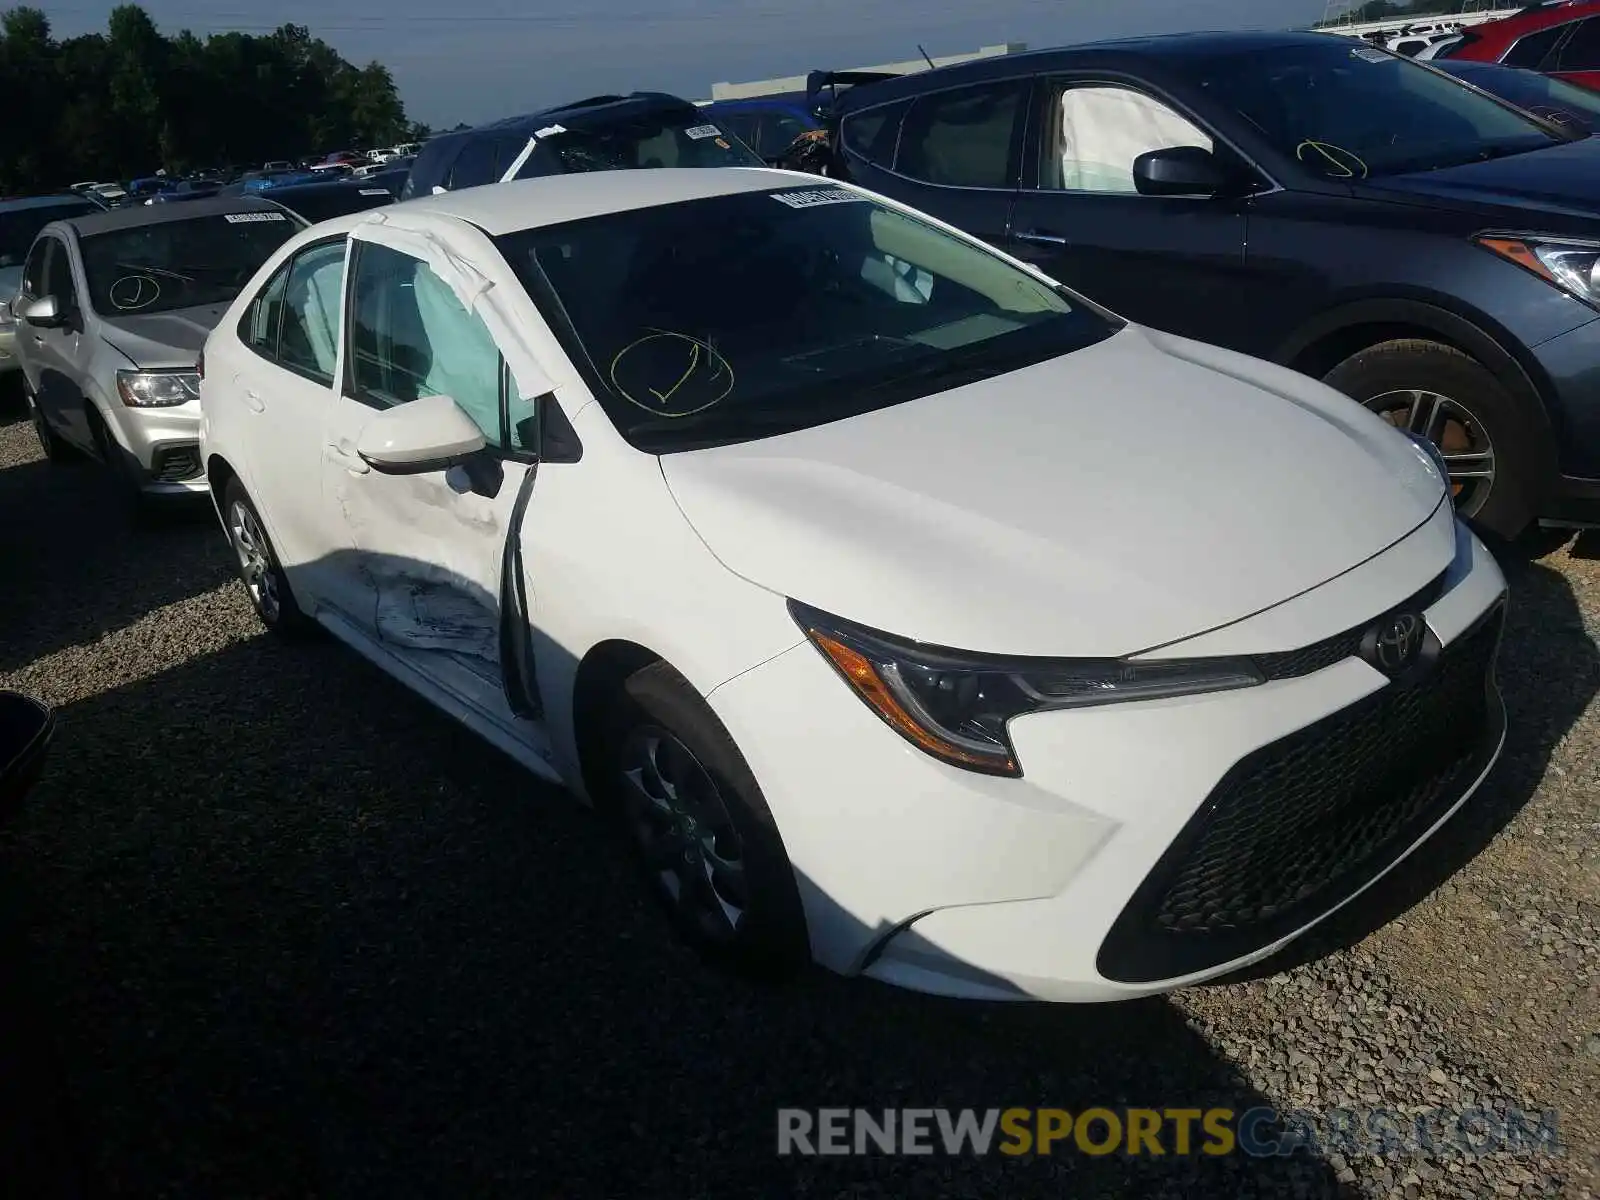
<point x="314" y="187"/>
<point x="1534" y="18"/>
<point x="501" y="208"/>
<point x="593" y="110"/>
<point x="20" y="203"/>
<point x="1155" y="48"/>
<point x="160" y="214"/>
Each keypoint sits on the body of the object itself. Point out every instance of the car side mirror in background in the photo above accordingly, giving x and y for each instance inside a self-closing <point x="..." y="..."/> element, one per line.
<point x="430" y="434"/>
<point x="44" y="313"/>
<point x="1178" y="171"/>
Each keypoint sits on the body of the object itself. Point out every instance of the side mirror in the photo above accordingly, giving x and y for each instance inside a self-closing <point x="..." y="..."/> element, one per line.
<point x="1178" y="171"/>
<point x="44" y="313"/>
<point x="430" y="434"/>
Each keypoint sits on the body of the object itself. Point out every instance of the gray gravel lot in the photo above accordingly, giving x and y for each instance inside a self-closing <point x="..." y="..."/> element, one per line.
<point x="272" y="927"/>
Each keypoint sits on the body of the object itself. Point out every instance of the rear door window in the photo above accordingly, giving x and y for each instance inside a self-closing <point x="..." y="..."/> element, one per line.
<point x="965" y="137"/>
<point x="474" y="166"/>
<point x="1531" y="51"/>
<point x="1581" y="51"/>
<point x="873" y="133"/>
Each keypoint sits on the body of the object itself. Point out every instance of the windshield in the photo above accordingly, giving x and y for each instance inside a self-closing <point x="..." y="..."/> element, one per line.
<point x="673" y="140"/>
<point x="1350" y="111"/>
<point x="179" y="264"/>
<point x="19" y="226"/>
<point x="740" y="317"/>
<point x="1551" y="99"/>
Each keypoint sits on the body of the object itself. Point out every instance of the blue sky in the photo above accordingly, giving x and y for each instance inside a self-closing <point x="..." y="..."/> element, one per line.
<point x="474" y="60"/>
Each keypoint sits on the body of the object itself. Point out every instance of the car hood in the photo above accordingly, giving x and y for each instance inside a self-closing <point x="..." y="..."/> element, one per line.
<point x="166" y="339"/>
<point x="1558" y="180"/>
<point x="1132" y="494"/>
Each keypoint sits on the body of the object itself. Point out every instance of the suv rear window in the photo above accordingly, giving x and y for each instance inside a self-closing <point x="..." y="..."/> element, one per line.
<point x="674" y="139"/>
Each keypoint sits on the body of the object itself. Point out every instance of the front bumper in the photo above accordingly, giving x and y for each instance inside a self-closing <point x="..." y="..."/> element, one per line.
<point x="1055" y="886"/>
<point x="161" y="447"/>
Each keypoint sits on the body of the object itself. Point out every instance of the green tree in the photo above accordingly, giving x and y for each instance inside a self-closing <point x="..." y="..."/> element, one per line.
<point x="127" y="102"/>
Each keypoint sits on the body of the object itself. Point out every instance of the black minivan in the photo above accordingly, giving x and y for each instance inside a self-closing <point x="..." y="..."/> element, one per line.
<point x="1307" y="198"/>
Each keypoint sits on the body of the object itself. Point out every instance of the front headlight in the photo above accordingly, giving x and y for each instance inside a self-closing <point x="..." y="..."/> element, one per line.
<point x="1572" y="265"/>
<point x="957" y="706"/>
<point x="157" y="389"/>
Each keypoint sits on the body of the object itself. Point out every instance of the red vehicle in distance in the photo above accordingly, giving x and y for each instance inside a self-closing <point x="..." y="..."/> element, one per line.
<point x="1559" y="38"/>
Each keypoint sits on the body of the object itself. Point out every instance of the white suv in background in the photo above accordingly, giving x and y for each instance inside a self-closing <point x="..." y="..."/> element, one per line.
<point x="905" y="609"/>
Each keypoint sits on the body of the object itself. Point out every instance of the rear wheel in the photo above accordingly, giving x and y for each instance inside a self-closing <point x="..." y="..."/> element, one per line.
<point x="1491" y="446"/>
<point x="702" y="833"/>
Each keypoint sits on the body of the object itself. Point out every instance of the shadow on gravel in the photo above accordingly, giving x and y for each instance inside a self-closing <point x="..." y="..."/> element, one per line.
<point x="13" y="407"/>
<point x="298" y="934"/>
<point x="77" y="566"/>
<point x="1549" y="672"/>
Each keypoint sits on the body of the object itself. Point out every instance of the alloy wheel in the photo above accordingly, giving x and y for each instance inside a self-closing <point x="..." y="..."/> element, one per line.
<point x="1461" y="438"/>
<point x="678" y="819"/>
<point x="255" y="565"/>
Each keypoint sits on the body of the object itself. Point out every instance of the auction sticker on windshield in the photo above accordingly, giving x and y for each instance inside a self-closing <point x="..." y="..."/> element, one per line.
<point x="702" y="131"/>
<point x="251" y="218"/>
<point x="813" y="197"/>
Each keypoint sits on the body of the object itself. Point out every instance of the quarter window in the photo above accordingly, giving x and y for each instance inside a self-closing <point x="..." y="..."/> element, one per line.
<point x="33" y="271"/>
<point x="58" y="277"/>
<point x="1098" y="130"/>
<point x="308" y="341"/>
<point x="259" y="327"/>
<point x="411" y="337"/>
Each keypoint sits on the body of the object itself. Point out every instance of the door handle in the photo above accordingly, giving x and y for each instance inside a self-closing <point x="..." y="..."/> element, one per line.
<point x="353" y="462"/>
<point x="37" y="340"/>
<point x="1039" y="237"/>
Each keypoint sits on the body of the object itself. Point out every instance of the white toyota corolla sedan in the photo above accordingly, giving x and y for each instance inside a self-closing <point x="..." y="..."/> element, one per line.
<point x="904" y="608"/>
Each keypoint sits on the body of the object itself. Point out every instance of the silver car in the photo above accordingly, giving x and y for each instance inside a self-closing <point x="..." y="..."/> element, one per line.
<point x="114" y="308"/>
<point x="20" y="222"/>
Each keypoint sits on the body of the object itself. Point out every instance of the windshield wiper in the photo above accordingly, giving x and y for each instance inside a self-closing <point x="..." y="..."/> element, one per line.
<point x="147" y="269"/>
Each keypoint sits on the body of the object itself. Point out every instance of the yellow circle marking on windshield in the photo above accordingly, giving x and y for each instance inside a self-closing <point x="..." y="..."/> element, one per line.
<point x="130" y="293"/>
<point x="703" y="367"/>
<point x="1337" y="157"/>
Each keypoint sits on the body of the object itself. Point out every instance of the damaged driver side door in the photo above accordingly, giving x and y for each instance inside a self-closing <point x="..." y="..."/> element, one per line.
<point x="428" y="551"/>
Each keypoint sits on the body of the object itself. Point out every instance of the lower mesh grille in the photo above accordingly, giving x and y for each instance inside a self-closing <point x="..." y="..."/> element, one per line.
<point x="1301" y="824"/>
<point x="174" y="464"/>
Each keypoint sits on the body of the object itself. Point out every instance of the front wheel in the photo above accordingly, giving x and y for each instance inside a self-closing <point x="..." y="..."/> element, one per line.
<point x="701" y="831"/>
<point x="56" y="449"/>
<point x="259" y="570"/>
<point x="1490" y="444"/>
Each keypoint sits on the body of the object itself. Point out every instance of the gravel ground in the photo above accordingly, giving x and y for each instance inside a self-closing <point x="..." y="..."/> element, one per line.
<point x="271" y="927"/>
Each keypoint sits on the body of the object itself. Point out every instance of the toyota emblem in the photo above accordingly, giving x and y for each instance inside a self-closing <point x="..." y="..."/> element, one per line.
<point x="1394" y="643"/>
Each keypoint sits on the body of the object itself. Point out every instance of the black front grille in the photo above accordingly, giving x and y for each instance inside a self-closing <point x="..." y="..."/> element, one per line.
<point x="174" y="464"/>
<point x="1300" y="825"/>
<point x="1291" y="664"/>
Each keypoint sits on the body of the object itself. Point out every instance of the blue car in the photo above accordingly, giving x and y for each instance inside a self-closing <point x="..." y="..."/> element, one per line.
<point x="768" y="125"/>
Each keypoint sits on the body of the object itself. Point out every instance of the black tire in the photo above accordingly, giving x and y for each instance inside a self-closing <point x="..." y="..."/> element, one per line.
<point x="1479" y="410"/>
<point x="768" y="938"/>
<point x="123" y="477"/>
<point x="270" y="594"/>
<point x="55" y="447"/>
